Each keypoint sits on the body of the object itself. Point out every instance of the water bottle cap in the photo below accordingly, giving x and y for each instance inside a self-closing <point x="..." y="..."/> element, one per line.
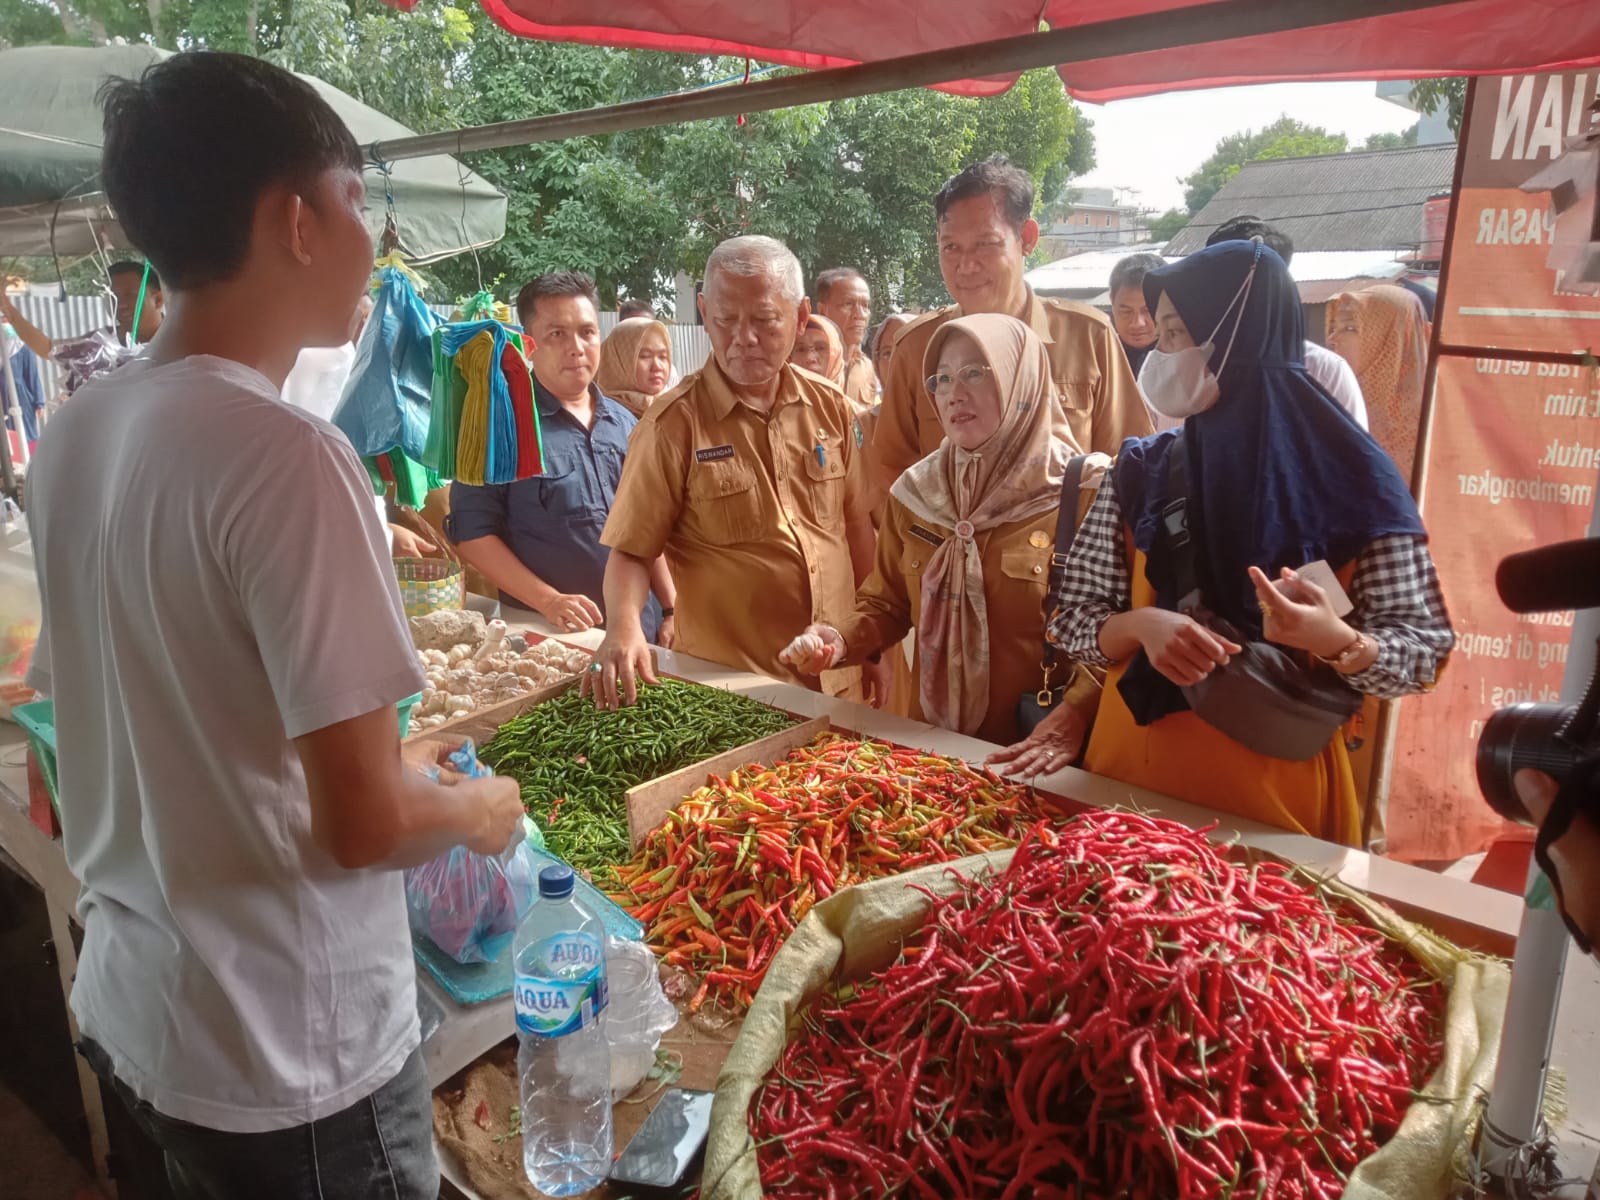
<point x="555" y="882"/>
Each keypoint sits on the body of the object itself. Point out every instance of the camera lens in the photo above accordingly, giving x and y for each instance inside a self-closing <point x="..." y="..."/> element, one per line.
<point x="1517" y="738"/>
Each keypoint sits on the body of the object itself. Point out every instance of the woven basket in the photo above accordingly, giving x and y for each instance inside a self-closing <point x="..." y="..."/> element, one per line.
<point x="429" y="584"/>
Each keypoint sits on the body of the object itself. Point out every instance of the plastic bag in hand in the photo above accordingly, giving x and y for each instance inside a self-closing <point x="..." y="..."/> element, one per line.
<point x="469" y="905"/>
<point x="390" y="391"/>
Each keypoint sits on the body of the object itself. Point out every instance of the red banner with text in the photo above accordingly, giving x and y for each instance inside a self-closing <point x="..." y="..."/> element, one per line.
<point x="1514" y="453"/>
<point x="1500" y="292"/>
<point x="1514" y="461"/>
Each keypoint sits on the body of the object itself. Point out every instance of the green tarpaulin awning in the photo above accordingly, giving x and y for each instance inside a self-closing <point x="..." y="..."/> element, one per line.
<point x="50" y="161"/>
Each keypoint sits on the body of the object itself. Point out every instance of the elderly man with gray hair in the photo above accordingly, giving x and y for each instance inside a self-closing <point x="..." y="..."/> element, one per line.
<point x="747" y="480"/>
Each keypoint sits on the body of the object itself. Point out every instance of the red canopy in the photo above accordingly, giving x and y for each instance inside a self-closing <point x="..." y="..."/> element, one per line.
<point x="1473" y="37"/>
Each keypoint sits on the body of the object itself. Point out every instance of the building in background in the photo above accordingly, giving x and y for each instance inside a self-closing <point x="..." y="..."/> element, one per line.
<point x="1432" y="128"/>
<point x="1084" y="276"/>
<point x="1356" y="219"/>
<point x="1091" y="218"/>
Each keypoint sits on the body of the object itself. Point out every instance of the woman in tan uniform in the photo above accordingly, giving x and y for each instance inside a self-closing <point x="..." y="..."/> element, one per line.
<point x="635" y="363"/>
<point x="964" y="549"/>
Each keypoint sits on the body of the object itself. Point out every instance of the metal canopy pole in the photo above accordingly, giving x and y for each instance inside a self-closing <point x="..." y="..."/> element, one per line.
<point x="1195" y="25"/>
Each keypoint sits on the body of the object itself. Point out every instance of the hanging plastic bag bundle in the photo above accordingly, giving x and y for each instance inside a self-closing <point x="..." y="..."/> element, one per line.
<point x="469" y="905"/>
<point x="483" y="396"/>
<point x="444" y="424"/>
<point x="387" y="400"/>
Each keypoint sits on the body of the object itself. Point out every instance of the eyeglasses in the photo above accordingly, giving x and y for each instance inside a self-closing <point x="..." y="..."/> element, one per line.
<point x="967" y="377"/>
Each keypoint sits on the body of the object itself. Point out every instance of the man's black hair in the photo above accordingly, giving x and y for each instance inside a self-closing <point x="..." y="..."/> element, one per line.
<point x="822" y="288"/>
<point x="194" y="142"/>
<point x="554" y="283"/>
<point x="630" y="308"/>
<point x="1011" y="185"/>
<point x="1243" y="228"/>
<point x="1130" y="271"/>
<point x="128" y="267"/>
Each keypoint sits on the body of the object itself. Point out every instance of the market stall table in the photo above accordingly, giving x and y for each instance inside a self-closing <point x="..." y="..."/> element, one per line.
<point x="1470" y="914"/>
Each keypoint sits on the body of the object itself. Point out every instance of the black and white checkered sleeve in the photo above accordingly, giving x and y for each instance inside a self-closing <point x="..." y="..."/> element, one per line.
<point x="1094" y="585"/>
<point x="1399" y="604"/>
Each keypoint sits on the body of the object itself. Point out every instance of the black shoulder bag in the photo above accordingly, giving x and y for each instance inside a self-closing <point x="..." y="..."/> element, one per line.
<point x="1265" y="699"/>
<point x="1034" y="707"/>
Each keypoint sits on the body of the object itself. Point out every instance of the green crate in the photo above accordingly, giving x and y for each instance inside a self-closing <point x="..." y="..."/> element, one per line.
<point x="38" y="720"/>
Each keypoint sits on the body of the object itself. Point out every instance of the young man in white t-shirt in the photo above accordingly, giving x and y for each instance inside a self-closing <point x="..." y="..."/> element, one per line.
<point x="225" y="645"/>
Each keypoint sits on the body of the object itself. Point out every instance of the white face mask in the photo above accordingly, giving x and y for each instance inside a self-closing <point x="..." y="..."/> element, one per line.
<point x="1180" y="383"/>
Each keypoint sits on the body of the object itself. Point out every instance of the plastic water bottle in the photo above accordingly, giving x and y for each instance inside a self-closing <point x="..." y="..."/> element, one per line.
<point x="564" y="1061"/>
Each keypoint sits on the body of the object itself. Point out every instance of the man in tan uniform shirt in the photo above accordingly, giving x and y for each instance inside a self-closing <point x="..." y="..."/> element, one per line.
<point x="985" y="234"/>
<point x="842" y="295"/>
<point x="746" y="478"/>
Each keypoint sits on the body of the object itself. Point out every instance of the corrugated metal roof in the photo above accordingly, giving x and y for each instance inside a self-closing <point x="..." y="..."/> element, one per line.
<point x="1365" y="200"/>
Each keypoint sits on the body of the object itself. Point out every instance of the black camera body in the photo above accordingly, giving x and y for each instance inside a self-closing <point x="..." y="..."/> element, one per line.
<point x="1553" y="738"/>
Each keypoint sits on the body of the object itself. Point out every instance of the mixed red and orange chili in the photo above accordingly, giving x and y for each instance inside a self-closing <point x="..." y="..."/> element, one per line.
<point x="738" y="864"/>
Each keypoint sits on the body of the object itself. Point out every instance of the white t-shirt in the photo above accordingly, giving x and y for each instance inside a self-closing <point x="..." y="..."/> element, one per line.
<point x="1338" y="380"/>
<point x="316" y="381"/>
<point x="315" y="384"/>
<point x="215" y="584"/>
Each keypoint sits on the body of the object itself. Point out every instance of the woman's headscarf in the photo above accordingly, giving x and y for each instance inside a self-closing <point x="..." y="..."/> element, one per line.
<point x="835" y="369"/>
<point x="1016" y="474"/>
<point x="1279" y="476"/>
<point x="1393" y="329"/>
<point x="619" y="359"/>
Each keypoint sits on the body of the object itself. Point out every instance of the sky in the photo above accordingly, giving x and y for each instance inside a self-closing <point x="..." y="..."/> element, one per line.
<point x="1148" y="143"/>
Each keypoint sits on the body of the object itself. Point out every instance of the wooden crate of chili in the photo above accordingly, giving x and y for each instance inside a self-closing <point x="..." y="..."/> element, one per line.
<point x="576" y="763"/>
<point x="737" y="863"/>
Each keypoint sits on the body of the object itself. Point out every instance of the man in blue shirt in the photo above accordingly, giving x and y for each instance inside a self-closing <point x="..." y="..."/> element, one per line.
<point x="30" y="388"/>
<point x="538" y="540"/>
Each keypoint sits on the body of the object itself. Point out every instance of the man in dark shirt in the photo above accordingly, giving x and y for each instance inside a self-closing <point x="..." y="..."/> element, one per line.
<point x="538" y="540"/>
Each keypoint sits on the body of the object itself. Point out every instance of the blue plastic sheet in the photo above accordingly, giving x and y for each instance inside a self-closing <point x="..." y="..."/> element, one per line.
<point x="390" y="391"/>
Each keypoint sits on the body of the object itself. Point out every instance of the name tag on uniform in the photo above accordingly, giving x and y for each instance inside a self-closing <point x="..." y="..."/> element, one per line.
<point x="713" y="454"/>
<point x="927" y="535"/>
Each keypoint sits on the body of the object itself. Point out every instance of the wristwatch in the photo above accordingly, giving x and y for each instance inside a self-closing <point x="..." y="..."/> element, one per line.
<point x="666" y="611"/>
<point x="1346" y="658"/>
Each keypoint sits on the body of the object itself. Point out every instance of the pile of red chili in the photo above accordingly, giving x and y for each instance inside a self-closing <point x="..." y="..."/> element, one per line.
<point x="736" y="866"/>
<point x="1123" y="1012"/>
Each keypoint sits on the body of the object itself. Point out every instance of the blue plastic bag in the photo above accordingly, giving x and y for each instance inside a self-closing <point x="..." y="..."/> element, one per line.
<point x="390" y="391"/>
<point x="469" y="905"/>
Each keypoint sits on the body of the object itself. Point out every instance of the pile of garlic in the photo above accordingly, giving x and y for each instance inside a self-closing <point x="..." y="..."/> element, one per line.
<point x="462" y="680"/>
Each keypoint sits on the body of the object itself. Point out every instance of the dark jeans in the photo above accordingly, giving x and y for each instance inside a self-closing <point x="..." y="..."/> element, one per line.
<point x="380" y="1148"/>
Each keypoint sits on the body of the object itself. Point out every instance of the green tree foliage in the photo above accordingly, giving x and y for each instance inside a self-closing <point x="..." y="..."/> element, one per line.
<point x="1430" y="95"/>
<point x="1284" y="138"/>
<point x="1165" y="227"/>
<point x="1391" y="141"/>
<point x="850" y="182"/>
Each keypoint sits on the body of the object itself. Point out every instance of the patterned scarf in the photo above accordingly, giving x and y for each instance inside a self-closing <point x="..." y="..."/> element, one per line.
<point x="1016" y="474"/>
<point x="1393" y="330"/>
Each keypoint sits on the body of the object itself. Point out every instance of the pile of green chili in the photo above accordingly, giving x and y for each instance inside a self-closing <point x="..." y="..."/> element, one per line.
<point x="575" y="761"/>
